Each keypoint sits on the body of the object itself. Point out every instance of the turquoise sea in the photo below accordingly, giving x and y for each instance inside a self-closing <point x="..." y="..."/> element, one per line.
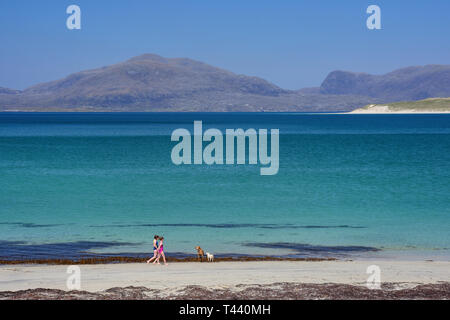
<point x="104" y="183"/>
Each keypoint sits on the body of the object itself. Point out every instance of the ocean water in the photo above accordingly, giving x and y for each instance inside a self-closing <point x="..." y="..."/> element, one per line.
<point x="348" y="185"/>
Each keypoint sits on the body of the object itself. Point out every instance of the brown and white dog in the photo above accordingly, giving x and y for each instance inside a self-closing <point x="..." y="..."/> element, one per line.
<point x="200" y="253"/>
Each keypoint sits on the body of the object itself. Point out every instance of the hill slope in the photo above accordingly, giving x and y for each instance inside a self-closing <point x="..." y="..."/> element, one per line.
<point x="8" y="91"/>
<point x="152" y="83"/>
<point x="413" y="83"/>
<point x="146" y="81"/>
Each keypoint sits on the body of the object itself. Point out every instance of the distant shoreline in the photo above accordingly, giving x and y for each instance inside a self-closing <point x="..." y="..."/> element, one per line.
<point x="427" y="106"/>
<point x="355" y="112"/>
<point x="369" y="112"/>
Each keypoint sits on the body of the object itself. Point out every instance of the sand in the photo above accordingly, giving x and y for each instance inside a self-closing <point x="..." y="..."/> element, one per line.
<point x="378" y="109"/>
<point x="223" y="275"/>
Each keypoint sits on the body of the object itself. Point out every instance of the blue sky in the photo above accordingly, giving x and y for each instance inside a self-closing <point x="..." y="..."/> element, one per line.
<point x="292" y="43"/>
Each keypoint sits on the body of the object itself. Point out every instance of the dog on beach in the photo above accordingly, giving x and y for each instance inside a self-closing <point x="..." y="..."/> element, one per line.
<point x="210" y="257"/>
<point x="200" y="253"/>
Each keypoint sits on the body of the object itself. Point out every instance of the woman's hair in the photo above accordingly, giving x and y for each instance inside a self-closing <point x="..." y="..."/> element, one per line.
<point x="161" y="238"/>
<point x="156" y="237"/>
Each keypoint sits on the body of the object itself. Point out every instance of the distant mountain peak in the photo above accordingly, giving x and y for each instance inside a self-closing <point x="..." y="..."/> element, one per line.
<point x="149" y="57"/>
<point x="410" y="83"/>
<point x="150" y="82"/>
<point x="181" y="62"/>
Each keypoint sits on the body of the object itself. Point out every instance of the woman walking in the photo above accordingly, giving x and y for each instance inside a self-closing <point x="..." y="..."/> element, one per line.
<point x="155" y="248"/>
<point x="161" y="251"/>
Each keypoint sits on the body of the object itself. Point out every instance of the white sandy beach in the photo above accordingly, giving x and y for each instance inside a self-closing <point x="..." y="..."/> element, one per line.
<point x="222" y="275"/>
<point x="378" y="109"/>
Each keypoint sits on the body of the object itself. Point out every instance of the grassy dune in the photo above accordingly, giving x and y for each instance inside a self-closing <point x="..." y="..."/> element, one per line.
<point x="428" y="105"/>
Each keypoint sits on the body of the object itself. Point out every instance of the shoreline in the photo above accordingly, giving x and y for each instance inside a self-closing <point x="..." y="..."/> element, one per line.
<point x="397" y="112"/>
<point x="129" y="260"/>
<point x="231" y="280"/>
<point x="65" y="111"/>
<point x="405" y="109"/>
<point x="87" y="258"/>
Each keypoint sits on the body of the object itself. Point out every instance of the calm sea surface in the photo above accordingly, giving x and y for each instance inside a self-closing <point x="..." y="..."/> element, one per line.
<point x="348" y="185"/>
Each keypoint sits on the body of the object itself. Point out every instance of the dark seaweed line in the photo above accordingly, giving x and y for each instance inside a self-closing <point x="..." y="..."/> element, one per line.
<point x="198" y="225"/>
<point x="31" y="225"/>
<point x="126" y="259"/>
<point x="273" y="291"/>
<point x="228" y="226"/>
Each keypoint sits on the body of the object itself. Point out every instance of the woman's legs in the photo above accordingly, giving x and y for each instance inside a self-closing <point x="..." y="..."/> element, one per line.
<point x="164" y="257"/>
<point x="155" y="254"/>
<point x="157" y="259"/>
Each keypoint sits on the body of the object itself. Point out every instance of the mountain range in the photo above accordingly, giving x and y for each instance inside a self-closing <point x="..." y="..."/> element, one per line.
<point x="153" y="83"/>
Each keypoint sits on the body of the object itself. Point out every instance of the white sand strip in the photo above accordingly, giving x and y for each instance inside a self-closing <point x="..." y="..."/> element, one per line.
<point x="221" y="275"/>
